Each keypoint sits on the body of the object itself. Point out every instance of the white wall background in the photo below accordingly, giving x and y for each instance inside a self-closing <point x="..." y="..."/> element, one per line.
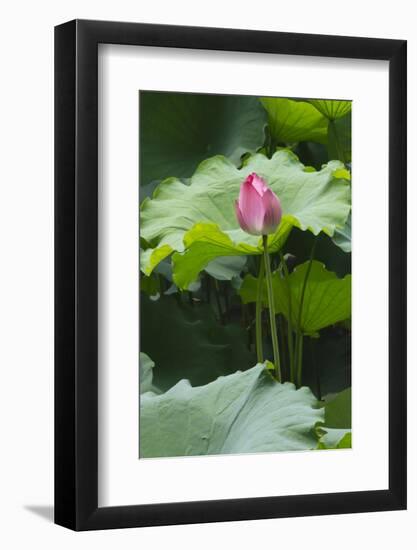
<point x="26" y="289"/>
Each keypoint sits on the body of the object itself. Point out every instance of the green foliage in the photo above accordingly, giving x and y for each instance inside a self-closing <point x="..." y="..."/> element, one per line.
<point x="338" y="412"/>
<point x="327" y="298"/>
<point x="200" y="219"/>
<point x="226" y="268"/>
<point x="150" y="285"/>
<point x="327" y="361"/>
<point x="335" y="433"/>
<point x="335" y="439"/>
<point x="186" y="341"/>
<point x="331" y="108"/>
<point x="244" y="412"/>
<point x="299" y="245"/>
<point x="206" y="242"/>
<point x="146" y="374"/>
<point x="198" y="319"/>
<point x="180" y="130"/>
<point x="292" y="121"/>
<point x="312" y="155"/>
<point x="343" y="237"/>
<point x="340" y="139"/>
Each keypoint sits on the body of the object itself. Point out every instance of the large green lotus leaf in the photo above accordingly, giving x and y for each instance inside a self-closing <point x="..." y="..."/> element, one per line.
<point x="340" y="138"/>
<point x="186" y="341"/>
<point x="245" y="412"/>
<point x="336" y="431"/>
<point x="338" y="413"/>
<point x="206" y="241"/>
<point x="200" y="218"/>
<point x="343" y="237"/>
<point x="327" y="298"/>
<point x="334" y="439"/>
<point x="146" y="374"/>
<point x="146" y="366"/>
<point x="226" y="268"/>
<point x="179" y="130"/>
<point x="332" y="108"/>
<point x="292" y="121"/>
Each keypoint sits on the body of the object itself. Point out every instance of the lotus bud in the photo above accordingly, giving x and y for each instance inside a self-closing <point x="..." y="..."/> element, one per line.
<point x="258" y="209"/>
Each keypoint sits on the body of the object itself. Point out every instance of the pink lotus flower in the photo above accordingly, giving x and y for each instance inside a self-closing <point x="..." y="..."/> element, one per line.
<point x="258" y="209"/>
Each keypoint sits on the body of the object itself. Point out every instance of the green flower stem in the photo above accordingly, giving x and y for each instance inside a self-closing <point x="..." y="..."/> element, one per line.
<point x="282" y="348"/>
<point x="272" y="321"/>
<point x="290" y="330"/>
<point x="299" y="337"/>
<point x="259" y="346"/>
<point x="300" y="359"/>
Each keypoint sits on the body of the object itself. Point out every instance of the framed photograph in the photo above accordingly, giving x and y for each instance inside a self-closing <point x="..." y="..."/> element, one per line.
<point x="230" y="338"/>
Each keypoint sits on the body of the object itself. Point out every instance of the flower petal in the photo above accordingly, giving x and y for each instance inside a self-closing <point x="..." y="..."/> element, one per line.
<point x="251" y="206"/>
<point x="252" y="230"/>
<point x="258" y="183"/>
<point x="273" y="212"/>
<point x="240" y="217"/>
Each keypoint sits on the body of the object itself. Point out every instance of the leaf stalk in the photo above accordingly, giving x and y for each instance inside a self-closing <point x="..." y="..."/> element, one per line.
<point x="258" y="314"/>
<point x="299" y="336"/>
<point x="290" y="328"/>
<point x="274" y="336"/>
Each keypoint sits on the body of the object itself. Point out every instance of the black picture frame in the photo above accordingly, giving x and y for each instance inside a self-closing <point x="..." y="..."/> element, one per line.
<point x="76" y="271"/>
